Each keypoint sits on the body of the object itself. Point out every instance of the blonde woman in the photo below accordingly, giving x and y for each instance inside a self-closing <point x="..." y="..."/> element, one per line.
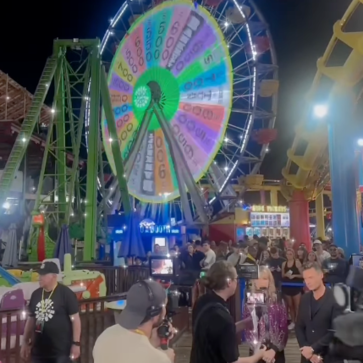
<point x="276" y="336"/>
<point x="312" y="257"/>
<point x="292" y="273"/>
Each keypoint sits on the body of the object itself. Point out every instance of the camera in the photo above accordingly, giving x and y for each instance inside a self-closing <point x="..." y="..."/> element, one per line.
<point x="248" y="271"/>
<point x="162" y="267"/>
<point x="164" y="332"/>
<point x="348" y="339"/>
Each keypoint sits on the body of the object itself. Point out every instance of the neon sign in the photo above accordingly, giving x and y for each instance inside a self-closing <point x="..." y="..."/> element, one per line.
<point x="159" y="229"/>
<point x="152" y="228"/>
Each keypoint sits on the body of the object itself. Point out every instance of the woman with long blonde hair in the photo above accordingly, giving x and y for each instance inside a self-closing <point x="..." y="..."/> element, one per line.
<point x="276" y="335"/>
<point x="292" y="274"/>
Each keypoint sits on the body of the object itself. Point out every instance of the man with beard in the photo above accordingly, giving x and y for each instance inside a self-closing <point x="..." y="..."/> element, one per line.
<point x="134" y="338"/>
<point x="315" y="318"/>
<point x="214" y="331"/>
<point x="335" y="268"/>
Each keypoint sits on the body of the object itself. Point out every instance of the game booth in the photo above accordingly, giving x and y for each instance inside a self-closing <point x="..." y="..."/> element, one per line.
<point x="260" y="220"/>
<point x="268" y="221"/>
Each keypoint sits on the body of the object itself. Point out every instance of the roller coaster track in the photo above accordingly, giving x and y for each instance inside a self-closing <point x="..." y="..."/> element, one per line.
<point x="308" y="169"/>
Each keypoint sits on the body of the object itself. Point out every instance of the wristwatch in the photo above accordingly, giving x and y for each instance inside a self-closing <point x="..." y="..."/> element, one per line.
<point x="77" y="344"/>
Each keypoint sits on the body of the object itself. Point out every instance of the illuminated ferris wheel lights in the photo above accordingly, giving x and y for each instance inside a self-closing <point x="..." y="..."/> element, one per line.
<point x="360" y="142"/>
<point x="226" y="24"/>
<point x="52" y="110"/>
<point x="23" y="139"/>
<point x="320" y="111"/>
<point x="226" y="139"/>
<point x="110" y="139"/>
<point x="267" y="150"/>
<point x="226" y="168"/>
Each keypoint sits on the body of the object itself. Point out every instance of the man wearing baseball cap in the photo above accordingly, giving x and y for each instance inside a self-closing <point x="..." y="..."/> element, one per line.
<point x="134" y="337"/>
<point x="53" y="328"/>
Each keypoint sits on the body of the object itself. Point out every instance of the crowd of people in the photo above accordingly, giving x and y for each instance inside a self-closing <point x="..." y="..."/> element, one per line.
<point x="280" y="256"/>
<point x="52" y="332"/>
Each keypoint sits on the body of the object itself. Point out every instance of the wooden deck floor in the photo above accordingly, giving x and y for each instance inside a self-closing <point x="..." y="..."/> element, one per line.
<point x="182" y="349"/>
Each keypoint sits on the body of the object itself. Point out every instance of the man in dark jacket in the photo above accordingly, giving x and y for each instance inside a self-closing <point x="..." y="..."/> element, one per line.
<point x="317" y="311"/>
<point x="335" y="268"/>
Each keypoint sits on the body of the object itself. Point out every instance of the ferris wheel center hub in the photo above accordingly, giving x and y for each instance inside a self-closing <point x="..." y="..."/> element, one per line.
<point x="159" y="85"/>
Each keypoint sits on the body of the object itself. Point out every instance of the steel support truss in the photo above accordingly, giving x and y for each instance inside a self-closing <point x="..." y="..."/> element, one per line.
<point x="67" y="191"/>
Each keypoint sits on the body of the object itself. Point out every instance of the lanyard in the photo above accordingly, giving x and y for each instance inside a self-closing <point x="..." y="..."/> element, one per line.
<point x="43" y="302"/>
<point x="140" y="332"/>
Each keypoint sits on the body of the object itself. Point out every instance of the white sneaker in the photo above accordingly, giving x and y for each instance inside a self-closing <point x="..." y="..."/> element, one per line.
<point x="291" y="326"/>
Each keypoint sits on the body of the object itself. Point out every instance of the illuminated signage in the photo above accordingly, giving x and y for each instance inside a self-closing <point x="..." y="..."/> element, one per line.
<point x="154" y="229"/>
<point x="159" y="229"/>
<point x="269" y="209"/>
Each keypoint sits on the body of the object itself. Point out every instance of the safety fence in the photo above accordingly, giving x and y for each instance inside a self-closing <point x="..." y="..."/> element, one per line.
<point x="95" y="318"/>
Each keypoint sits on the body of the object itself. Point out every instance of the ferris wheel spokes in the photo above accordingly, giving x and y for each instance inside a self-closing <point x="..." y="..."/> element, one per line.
<point x="183" y="172"/>
<point x="136" y="145"/>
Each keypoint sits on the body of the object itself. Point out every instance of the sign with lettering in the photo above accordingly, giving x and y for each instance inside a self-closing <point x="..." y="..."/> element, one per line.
<point x="269" y="209"/>
<point x="175" y="55"/>
<point x="154" y="229"/>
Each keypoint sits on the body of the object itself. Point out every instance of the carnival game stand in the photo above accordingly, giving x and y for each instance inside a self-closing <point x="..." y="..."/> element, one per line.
<point x="11" y="299"/>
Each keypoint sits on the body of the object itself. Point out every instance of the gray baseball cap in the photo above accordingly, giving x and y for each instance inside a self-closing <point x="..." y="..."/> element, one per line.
<point x="139" y="299"/>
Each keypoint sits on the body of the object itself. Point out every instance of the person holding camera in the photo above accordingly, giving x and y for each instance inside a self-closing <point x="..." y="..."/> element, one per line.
<point x="135" y="337"/>
<point x="214" y="331"/>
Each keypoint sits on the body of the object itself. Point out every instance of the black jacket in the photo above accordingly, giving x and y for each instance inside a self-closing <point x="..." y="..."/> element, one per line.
<point x="315" y="330"/>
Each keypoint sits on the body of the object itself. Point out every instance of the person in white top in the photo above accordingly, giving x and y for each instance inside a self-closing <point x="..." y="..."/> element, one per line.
<point x="210" y="256"/>
<point x="321" y="254"/>
<point x="237" y="257"/>
<point x="134" y="338"/>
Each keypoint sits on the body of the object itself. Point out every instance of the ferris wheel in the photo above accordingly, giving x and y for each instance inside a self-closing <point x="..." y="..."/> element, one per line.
<point x="193" y="88"/>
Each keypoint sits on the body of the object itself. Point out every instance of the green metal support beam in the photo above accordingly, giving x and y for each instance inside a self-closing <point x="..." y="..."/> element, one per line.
<point x="27" y="128"/>
<point x="76" y="101"/>
<point x="90" y="226"/>
<point x="115" y="144"/>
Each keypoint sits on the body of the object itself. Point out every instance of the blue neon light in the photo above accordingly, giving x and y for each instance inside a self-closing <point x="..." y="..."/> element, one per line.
<point x="154" y="229"/>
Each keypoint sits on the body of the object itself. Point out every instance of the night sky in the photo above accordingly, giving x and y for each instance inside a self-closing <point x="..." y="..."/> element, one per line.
<point x="301" y="30"/>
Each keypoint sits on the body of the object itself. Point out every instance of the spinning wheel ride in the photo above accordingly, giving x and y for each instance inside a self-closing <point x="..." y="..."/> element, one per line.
<point x="186" y="83"/>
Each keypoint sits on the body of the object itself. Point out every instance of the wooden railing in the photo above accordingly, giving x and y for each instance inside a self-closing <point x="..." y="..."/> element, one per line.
<point x="95" y="318"/>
